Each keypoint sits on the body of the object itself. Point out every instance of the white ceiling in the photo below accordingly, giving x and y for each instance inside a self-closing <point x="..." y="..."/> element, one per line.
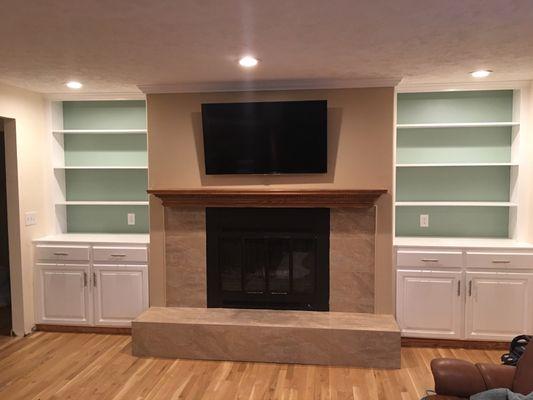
<point x="115" y="45"/>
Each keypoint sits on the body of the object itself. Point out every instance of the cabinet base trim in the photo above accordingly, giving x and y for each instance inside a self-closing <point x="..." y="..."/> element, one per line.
<point x="109" y="330"/>
<point x="454" y="343"/>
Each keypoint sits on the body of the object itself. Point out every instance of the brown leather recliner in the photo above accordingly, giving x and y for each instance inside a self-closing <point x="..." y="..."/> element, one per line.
<point x="458" y="379"/>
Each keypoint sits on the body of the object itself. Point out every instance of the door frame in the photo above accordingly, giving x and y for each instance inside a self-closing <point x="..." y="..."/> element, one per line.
<point x="13" y="227"/>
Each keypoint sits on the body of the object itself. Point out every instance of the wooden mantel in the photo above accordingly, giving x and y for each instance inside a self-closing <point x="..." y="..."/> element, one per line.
<point x="268" y="198"/>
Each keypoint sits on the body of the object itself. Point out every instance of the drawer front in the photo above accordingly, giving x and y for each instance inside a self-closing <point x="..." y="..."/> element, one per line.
<point x="62" y="253"/>
<point x="120" y="254"/>
<point x="499" y="260"/>
<point x="429" y="259"/>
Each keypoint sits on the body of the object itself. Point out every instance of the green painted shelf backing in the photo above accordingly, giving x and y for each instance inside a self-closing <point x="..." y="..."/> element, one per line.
<point x="455" y="107"/>
<point x="104" y="115"/>
<point x="453" y="184"/>
<point x="454" y="145"/>
<point x="106" y="150"/>
<point x="106" y="219"/>
<point x="454" y="221"/>
<point x="111" y="185"/>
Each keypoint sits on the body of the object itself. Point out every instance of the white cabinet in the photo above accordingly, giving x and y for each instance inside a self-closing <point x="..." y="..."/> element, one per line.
<point x="430" y="303"/>
<point x="120" y="293"/>
<point x="499" y="305"/>
<point x="71" y="292"/>
<point x="464" y="293"/>
<point x="62" y="294"/>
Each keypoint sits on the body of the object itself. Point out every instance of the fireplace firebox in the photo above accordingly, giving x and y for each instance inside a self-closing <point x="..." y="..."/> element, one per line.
<point x="272" y="258"/>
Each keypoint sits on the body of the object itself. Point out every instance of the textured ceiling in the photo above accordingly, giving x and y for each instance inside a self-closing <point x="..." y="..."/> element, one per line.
<point x="115" y="45"/>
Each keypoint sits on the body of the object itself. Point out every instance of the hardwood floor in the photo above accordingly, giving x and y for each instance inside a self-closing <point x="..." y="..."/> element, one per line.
<point x="85" y="366"/>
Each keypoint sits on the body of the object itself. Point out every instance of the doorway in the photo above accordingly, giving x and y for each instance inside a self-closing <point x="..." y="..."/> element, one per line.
<point x="5" y="291"/>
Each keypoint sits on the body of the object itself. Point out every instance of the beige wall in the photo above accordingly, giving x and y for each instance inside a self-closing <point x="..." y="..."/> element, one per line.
<point x="361" y="134"/>
<point x="27" y="158"/>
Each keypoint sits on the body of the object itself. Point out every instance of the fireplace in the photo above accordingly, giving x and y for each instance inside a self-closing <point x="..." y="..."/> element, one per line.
<point x="272" y="258"/>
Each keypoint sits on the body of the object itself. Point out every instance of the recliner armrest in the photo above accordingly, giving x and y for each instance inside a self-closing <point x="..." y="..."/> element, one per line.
<point x="497" y="376"/>
<point x="456" y="377"/>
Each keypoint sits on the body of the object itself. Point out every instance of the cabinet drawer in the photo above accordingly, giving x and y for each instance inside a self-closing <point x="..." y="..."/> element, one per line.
<point x="120" y="254"/>
<point x="413" y="258"/>
<point x="61" y="253"/>
<point x="475" y="259"/>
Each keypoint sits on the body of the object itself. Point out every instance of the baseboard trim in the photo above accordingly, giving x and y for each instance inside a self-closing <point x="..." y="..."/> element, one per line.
<point x="109" y="330"/>
<point x="453" y="343"/>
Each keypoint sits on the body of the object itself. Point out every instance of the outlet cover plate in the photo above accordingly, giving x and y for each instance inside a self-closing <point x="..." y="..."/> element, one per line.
<point x="30" y="218"/>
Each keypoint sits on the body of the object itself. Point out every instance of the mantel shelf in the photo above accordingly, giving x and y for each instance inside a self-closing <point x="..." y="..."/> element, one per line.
<point x="268" y="198"/>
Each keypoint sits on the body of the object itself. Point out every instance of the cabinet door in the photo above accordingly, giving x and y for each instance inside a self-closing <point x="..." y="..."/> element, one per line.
<point x="120" y="293"/>
<point x="429" y="303"/>
<point x="62" y="294"/>
<point x="498" y="305"/>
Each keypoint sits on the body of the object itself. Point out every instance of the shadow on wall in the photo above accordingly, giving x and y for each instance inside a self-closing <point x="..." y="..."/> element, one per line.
<point x="334" y="128"/>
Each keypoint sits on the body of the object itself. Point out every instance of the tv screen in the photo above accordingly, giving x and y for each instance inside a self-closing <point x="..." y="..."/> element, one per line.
<point x="288" y="137"/>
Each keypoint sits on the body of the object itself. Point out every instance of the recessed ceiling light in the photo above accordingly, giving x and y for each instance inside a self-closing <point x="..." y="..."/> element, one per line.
<point x="482" y="73"/>
<point x="74" y="85"/>
<point x="248" y="61"/>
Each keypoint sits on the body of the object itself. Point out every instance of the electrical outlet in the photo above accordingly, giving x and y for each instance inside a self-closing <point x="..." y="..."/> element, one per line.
<point x="131" y="219"/>
<point x="424" y="220"/>
<point x="30" y="218"/>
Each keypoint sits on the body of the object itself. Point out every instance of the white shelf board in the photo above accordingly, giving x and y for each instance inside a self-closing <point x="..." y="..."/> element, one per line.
<point x="103" y="203"/>
<point x="100" y="167"/>
<point x="457" y="125"/>
<point x="100" y="131"/>
<point x="508" y="164"/>
<point x="455" y="204"/>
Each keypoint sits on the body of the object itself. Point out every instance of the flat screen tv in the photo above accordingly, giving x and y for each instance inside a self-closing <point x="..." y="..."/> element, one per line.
<point x="286" y="137"/>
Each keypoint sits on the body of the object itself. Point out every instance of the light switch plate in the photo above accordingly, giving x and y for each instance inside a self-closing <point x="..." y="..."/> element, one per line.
<point x="30" y="218"/>
<point x="424" y="220"/>
<point x="131" y="219"/>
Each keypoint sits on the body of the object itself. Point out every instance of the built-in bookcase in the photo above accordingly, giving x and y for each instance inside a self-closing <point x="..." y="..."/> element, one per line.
<point x="458" y="162"/>
<point x="100" y="166"/>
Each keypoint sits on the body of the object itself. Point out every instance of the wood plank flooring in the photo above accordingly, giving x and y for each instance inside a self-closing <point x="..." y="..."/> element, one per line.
<point x="84" y="366"/>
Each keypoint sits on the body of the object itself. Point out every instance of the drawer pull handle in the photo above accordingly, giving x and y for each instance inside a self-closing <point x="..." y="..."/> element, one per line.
<point x="60" y="254"/>
<point x="459" y="288"/>
<point x="85" y="279"/>
<point x="279" y="293"/>
<point x="501" y="261"/>
<point x="118" y="255"/>
<point x="430" y="260"/>
<point x="470" y="289"/>
<point x="94" y="279"/>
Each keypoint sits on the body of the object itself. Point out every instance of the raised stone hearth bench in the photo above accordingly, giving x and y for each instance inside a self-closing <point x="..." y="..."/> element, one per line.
<point x="301" y="337"/>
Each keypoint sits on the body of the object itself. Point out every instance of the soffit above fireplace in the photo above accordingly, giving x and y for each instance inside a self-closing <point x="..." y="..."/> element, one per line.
<point x="267" y="198"/>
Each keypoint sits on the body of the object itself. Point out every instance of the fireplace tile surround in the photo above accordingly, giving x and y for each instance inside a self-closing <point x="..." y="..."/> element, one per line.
<point x="352" y="247"/>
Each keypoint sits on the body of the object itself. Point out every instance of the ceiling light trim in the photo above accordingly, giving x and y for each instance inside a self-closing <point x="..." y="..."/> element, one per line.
<point x="310" y="84"/>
